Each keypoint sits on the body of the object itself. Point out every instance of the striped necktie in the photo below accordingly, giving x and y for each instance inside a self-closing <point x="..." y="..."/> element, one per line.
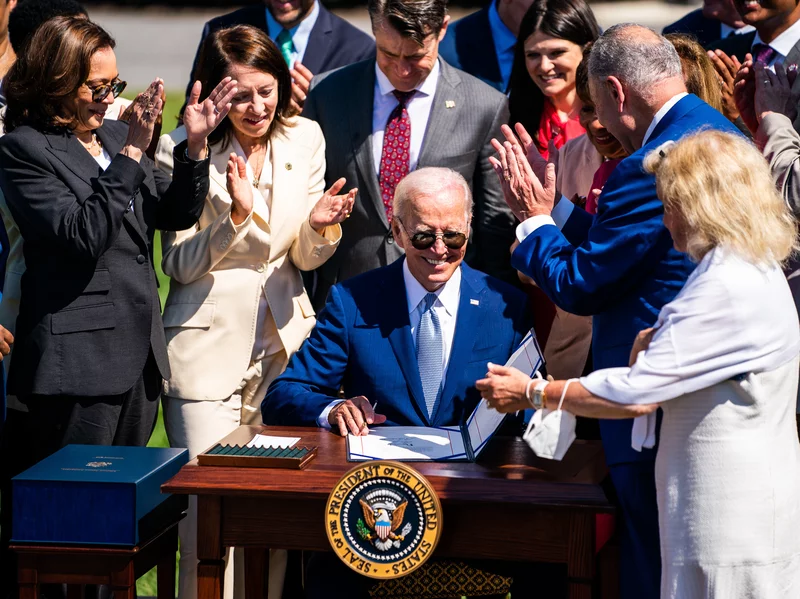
<point x="430" y="352"/>
<point x="285" y="45"/>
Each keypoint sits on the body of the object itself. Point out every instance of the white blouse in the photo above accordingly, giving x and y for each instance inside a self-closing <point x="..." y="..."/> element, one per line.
<point x="730" y="319"/>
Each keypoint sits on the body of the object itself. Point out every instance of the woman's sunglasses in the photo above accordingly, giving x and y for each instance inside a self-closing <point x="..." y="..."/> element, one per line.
<point x="424" y="240"/>
<point x="100" y="92"/>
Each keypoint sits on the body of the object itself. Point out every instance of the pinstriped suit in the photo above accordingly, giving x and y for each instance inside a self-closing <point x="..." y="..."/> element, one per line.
<point x="465" y="115"/>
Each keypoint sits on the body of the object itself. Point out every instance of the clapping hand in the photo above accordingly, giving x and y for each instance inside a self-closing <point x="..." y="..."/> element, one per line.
<point x="332" y="209"/>
<point x="774" y="91"/>
<point x="727" y="68"/>
<point x="6" y="340"/>
<point x="301" y="81"/>
<point x="239" y="189"/>
<point x="144" y="112"/>
<point x="527" y="179"/>
<point x="201" y="118"/>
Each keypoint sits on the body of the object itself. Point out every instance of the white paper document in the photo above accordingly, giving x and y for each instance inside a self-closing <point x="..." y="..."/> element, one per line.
<point x="407" y="443"/>
<point x="269" y="441"/>
<point x="418" y="443"/>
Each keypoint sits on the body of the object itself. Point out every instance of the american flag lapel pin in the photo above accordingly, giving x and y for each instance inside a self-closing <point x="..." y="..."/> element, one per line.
<point x="474" y="302"/>
<point x="449" y="104"/>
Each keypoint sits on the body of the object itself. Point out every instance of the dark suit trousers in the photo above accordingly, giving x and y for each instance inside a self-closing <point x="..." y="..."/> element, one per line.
<point x="53" y="422"/>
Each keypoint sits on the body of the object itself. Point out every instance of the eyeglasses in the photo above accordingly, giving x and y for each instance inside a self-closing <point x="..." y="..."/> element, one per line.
<point x="423" y="240"/>
<point x="100" y="92"/>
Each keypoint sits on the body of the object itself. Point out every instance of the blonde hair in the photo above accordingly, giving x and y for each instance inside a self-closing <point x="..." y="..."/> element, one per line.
<point x="721" y="187"/>
<point x="698" y="70"/>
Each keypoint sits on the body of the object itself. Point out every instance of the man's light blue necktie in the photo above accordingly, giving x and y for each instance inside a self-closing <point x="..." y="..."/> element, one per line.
<point x="430" y="352"/>
<point x="285" y="45"/>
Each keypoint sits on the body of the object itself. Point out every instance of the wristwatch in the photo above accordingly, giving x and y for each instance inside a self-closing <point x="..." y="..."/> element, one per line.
<point x="539" y="398"/>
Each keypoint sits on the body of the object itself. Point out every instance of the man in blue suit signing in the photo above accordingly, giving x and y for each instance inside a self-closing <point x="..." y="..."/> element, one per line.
<point x="620" y="265"/>
<point x="411" y="337"/>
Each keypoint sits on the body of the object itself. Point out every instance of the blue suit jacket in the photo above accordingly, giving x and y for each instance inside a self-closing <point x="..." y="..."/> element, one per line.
<point x="333" y="42"/>
<point x="469" y="46"/>
<point x="619" y="266"/>
<point x="704" y="29"/>
<point x="362" y="342"/>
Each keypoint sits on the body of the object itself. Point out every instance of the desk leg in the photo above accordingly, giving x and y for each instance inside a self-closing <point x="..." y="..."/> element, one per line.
<point x="255" y="570"/>
<point x="165" y="570"/>
<point x="210" y="552"/>
<point x="580" y="556"/>
<point x="27" y="580"/>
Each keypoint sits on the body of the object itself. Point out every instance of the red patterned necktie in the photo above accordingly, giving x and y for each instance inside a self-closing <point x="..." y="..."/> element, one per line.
<point x="395" y="155"/>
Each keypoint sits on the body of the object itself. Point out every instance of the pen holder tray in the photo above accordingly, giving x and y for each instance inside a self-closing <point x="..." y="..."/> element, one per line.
<point x="294" y="458"/>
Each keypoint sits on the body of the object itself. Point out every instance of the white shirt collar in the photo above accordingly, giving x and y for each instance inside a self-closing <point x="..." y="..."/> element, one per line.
<point x="784" y="43"/>
<point x="448" y="294"/>
<point x="300" y="33"/>
<point x="725" y="30"/>
<point x="426" y="87"/>
<point x="662" y="112"/>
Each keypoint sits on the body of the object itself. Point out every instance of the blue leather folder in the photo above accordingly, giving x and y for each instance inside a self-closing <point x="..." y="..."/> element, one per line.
<point x="92" y="494"/>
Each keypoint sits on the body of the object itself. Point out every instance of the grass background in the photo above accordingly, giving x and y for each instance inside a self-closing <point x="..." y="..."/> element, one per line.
<point x="146" y="585"/>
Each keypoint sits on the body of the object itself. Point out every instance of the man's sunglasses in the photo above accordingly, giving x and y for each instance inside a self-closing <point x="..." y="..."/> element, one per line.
<point x="100" y="92"/>
<point x="423" y="240"/>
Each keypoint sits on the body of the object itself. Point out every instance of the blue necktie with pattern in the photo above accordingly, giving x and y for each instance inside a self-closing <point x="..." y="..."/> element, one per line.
<point x="430" y="352"/>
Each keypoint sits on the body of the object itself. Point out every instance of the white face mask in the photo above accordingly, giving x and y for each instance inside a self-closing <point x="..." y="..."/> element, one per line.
<point x="551" y="432"/>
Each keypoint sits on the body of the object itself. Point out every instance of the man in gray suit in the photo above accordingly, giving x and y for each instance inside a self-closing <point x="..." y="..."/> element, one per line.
<point x="403" y="110"/>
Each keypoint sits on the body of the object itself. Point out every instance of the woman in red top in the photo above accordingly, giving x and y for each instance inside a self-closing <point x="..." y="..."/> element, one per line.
<point x="542" y="93"/>
<point x="549" y="49"/>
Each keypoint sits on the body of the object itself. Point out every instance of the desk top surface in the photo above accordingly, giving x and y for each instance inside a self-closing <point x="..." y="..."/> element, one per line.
<point x="507" y="472"/>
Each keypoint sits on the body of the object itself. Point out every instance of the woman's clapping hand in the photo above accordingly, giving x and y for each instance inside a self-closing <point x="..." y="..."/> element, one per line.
<point x="332" y="209"/>
<point x="239" y="189"/>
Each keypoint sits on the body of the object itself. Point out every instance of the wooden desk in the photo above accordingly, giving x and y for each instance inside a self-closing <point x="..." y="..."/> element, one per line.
<point x="510" y="506"/>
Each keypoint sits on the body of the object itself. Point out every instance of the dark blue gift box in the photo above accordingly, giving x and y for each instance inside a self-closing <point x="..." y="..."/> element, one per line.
<point x="92" y="494"/>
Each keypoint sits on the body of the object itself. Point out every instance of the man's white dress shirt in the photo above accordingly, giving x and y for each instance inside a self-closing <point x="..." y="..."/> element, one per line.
<point x="419" y="110"/>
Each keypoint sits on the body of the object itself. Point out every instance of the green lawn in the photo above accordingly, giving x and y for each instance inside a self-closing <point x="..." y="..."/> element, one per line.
<point x="146" y="585"/>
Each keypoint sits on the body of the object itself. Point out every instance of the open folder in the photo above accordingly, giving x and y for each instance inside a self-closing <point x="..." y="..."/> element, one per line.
<point x="427" y="443"/>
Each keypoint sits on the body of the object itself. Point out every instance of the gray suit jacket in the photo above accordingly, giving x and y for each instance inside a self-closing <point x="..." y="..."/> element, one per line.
<point x="780" y="145"/>
<point x="457" y="137"/>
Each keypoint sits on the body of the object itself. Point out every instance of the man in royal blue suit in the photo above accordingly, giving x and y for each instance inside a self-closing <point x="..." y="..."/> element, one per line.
<point x="413" y="336"/>
<point x="618" y="266"/>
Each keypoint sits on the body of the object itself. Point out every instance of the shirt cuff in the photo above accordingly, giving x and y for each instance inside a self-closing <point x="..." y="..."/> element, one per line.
<point x="322" y="421"/>
<point x="529" y="225"/>
<point x="558" y="217"/>
<point x="562" y="212"/>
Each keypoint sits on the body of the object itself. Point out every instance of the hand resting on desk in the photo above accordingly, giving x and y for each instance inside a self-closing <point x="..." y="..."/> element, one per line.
<point x="353" y="415"/>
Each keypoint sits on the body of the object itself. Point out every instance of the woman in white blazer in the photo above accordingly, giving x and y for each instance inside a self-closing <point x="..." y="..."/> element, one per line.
<point x="237" y="309"/>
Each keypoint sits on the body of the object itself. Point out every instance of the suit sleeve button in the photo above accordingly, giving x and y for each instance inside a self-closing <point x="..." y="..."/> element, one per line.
<point x="140" y="259"/>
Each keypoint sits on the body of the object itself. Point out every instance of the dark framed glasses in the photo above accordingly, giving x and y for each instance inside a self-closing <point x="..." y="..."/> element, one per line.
<point x="100" y="92"/>
<point x="423" y="240"/>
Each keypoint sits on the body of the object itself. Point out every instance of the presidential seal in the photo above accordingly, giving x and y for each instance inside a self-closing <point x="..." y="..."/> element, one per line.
<point x="383" y="519"/>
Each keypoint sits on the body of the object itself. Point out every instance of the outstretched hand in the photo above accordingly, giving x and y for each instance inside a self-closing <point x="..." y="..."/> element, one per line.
<point x="504" y="388"/>
<point x="201" y="118"/>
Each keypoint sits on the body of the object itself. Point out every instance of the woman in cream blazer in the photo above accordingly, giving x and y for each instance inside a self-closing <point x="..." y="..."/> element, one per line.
<point x="237" y="309"/>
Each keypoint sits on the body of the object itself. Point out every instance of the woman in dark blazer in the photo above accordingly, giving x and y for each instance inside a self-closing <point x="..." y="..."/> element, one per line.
<point x="90" y="343"/>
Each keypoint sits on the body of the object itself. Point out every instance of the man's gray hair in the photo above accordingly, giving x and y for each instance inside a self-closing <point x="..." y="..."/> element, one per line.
<point x="638" y="59"/>
<point x="430" y="181"/>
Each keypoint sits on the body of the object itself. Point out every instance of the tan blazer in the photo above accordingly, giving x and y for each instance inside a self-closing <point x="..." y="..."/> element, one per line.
<point x="219" y="271"/>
